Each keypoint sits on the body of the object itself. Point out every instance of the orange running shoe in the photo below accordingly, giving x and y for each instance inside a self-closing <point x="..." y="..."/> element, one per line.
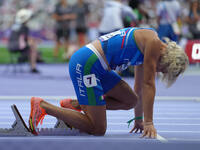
<point x="67" y="103"/>
<point x="37" y="114"/>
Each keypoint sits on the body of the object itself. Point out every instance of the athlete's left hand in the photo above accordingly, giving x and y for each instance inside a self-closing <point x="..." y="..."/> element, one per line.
<point x="149" y="130"/>
<point x="138" y="126"/>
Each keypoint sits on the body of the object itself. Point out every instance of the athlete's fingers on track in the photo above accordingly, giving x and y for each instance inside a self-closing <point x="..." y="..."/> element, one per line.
<point x="136" y="130"/>
<point x="155" y="134"/>
<point x="144" y="134"/>
<point x="141" y="130"/>
<point x="132" y="130"/>
<point x="148" y="135"/>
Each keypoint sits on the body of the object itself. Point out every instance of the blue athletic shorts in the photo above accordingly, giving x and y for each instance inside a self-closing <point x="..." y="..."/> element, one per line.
<point x="91" y="81"/>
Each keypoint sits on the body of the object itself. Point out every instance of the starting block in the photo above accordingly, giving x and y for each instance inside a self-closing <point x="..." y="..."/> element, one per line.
<point x="19" y="128"/>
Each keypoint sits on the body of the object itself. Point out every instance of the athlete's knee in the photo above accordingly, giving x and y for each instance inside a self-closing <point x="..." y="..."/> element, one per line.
<point x="99" y="130"/>
<point x="131" y="102"/>
<point x="128" y="106"/>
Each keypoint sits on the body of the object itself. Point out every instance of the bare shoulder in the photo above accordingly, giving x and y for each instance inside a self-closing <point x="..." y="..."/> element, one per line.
<point x="146" y="33"/>
<point x="147" y="38"/>
<point x="151" y="37"/>
<point x="152" y="50"/>
<point x="152" y="46"/>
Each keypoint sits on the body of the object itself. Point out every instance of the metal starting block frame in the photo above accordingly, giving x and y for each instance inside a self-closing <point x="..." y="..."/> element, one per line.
<point x="19" y="128"/>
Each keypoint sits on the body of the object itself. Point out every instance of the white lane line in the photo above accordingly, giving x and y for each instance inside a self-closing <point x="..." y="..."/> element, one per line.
<point x="181" y="139"/>
<point x="155" y="113"/>
<point x="159" y="124"/>
<point x="177" y="98"/>
<point x="176" y="124"/>
<point x="116" y="118"/>
<point x="197" y="98"/>
<point x="158" y="131"/>
<point x="25" y="111"/>
<point x="161" y="139"/>
<point x="184" y="110"/>
<point x="29" y="97"/>
<point x="51" y="121"/>
<point x="159" y="118"/>
<point x="9" y="123"/>
<point x="193" y="132"/>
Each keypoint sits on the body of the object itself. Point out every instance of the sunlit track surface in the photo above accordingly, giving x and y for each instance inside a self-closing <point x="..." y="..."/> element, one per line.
<point x="176" y="113"/>
<point x="177" y="122"/>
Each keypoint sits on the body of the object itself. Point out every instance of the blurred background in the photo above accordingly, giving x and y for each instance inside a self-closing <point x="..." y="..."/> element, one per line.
<point x="49" y="31"/>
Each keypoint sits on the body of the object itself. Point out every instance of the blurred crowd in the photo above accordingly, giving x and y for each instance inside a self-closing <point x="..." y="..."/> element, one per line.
<point x="72" y="23"/>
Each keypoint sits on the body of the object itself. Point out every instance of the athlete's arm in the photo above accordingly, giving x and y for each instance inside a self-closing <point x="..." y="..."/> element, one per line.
<point x="151" y="56"/>
<point x="138" y="90"/>
<point x="138" y="125"/>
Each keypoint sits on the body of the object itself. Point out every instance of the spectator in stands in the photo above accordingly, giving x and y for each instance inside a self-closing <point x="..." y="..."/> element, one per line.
<point x="139" y="11"/>
<point x="113" y="14"/>
<point x="194" y="18"/>
<point x="20" y="40"/>
<point x="63" y="14"/>
<point x="95" y="14"/>
<point x="82" y="11"/>
<point x="168" y="12"/>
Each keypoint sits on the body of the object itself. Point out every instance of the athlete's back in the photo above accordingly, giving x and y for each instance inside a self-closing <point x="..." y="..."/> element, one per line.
<point x="121" y="49"/>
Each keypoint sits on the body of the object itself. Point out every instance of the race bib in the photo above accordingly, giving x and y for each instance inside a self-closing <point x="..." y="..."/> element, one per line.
<point x="112" y="34"/>
<point x="90" y="80"/>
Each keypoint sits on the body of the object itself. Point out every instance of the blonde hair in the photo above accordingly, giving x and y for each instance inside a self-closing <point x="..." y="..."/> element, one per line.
<point x="175" y="62"/>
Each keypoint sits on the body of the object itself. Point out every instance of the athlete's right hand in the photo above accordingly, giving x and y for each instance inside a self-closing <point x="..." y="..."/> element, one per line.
<point x="149" y="130"/>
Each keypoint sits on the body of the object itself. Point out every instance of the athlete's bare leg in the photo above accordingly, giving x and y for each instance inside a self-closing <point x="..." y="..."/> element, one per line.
<point x="120" y="97"/>
<point x="92" y="121"/>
